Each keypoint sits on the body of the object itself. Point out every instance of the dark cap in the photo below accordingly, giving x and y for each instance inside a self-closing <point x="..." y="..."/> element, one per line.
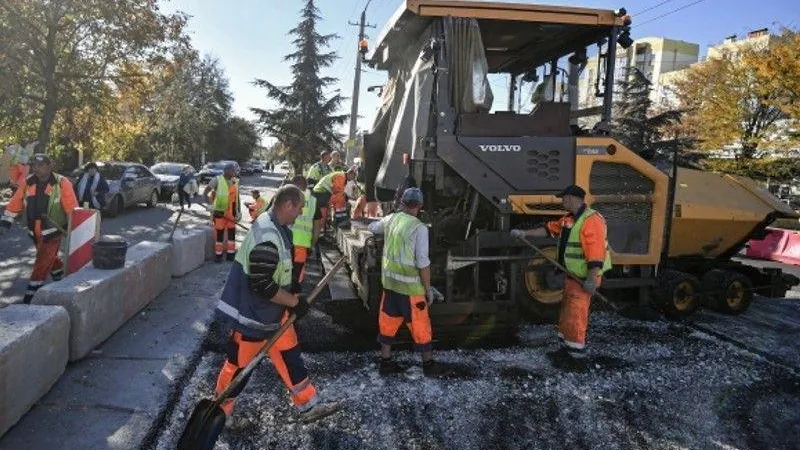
<point x="412" y="197"/>
<point x="39" y="158"/>
<point x="573" y="190"/>
<point x="91" y="165"/>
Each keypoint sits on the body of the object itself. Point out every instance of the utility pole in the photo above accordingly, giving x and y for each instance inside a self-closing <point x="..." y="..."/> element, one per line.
<point x="356" y="83"/>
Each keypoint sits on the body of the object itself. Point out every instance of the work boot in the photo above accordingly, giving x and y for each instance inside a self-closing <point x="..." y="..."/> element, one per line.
<point x="388" y="366"/>
<point x="320" y="411"/>
<point x="27" y="299"/>
<point x="217" y="258"/>
<point x="231" y="256"/>
<point x="434" y="369"/>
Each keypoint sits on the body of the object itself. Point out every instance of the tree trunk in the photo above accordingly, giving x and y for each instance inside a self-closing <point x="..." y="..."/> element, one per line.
<point x="748" y="151"/>
<point x="51" y="92"/>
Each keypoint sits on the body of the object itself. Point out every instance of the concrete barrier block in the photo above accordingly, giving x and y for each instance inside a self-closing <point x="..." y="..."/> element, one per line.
<point x="188" y="250"/>
<point x="34" y="348"/>
<point x="211" y="236"/>
<point x="101" y="301"/>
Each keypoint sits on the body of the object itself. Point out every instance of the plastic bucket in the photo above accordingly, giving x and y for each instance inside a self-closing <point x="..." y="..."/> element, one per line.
<point x="108" y="253"/>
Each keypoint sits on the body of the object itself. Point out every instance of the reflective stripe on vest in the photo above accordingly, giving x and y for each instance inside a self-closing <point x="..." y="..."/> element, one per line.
<point x="303" y="228"/>
<point x="574" y="258"/>
<point x="325" y="184"/>
<point x="262" y="230"/>
<point x="399" y="271"/>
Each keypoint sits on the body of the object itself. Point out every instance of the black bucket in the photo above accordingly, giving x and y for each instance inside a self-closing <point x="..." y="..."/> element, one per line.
<point x="108" y="253"/>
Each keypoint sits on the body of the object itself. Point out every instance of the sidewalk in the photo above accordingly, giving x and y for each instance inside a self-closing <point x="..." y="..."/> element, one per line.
<point x="114" y="398"/>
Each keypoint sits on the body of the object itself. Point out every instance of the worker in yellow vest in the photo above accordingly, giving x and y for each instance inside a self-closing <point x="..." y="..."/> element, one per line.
<point x="224" y="190"/>
<point x="304" y="233"/>
<point x="18" y="169"/>
<point x="583" y="250"/>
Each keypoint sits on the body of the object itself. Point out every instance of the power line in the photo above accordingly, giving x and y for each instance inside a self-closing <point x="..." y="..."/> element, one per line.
<point x="651" y="8"/>
<point x="671" y="12"/>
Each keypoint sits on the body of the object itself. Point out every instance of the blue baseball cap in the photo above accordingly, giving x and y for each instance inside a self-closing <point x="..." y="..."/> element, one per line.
<point x="412" y="197"/>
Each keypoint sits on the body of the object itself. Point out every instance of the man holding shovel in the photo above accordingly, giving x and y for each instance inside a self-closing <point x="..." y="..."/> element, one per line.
<point x="583" y="251"/>
<point x="258" y="298"/>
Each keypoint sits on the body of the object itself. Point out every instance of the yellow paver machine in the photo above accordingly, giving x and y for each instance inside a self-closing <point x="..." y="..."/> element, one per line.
<point x="485" y="170"/>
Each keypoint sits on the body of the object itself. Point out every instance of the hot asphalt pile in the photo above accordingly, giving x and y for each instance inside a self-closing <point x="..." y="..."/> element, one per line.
<point x="646" y="385"/>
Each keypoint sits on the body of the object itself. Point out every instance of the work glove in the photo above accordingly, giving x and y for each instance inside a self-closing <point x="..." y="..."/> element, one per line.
<point x="517" y="233"/>
<point x="301" y="308"/>
<point x="434" y="295"/>
<point x="590" y="285"/>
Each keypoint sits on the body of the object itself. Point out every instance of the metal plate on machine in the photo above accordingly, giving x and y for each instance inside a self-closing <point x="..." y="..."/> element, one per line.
<point x="527" y="164"/>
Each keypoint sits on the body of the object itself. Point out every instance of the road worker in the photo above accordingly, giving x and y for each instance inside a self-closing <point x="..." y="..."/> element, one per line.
<point x="582" y="250"/>
<point x="47" y="200"/>
<point x="304" y="234"/>
<point x="319" y="169"/>
<point x="226" y="211"/>
<point x="406" y="279"/>
<point x="257" y="299"/>
<point x="330" y="193"/>
<point x="258" y="206"/>
<point x="336" y="164"/>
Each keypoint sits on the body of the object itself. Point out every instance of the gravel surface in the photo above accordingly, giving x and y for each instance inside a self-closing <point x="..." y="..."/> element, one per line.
<point x="646" y="385"/>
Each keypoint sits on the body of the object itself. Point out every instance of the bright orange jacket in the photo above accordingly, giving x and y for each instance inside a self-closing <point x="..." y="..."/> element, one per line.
<point x="593" y="236"/>
<point x="26" y="194"/>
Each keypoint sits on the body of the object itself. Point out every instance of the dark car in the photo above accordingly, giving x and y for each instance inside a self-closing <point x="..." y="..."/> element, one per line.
<point x="214" y="169"/>
<point x="248" y="169"/>
<point x="128" y="183"/>
<point x="169" y="173"/>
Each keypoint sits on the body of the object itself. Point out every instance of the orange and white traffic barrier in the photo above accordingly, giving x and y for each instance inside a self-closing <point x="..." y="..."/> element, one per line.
<point x="84" y="229"/>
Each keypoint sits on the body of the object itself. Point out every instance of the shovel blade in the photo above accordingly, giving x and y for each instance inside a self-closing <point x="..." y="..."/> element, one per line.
<point x="204" y="426"/>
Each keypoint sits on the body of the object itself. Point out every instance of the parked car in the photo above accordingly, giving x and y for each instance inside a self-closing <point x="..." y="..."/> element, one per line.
<point x="128" y="183"/>
<point x="169" y="173"/>
<point x="213" y="169"/>
<point x="248" y="169"/>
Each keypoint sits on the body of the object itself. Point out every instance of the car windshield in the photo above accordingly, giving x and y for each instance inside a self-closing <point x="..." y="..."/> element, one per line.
<point x="167" y="169"/>
<point x="217" y="166"/>
<point x="111" y="171"/>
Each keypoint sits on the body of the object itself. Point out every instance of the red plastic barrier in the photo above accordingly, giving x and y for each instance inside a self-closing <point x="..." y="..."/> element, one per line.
<point x="778" y="245"/>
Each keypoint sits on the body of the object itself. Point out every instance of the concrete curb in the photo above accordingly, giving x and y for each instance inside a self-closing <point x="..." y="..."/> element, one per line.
<point x="34" y="348"/>
<point x="99" y="302"/>
<point x="189" y="250"/>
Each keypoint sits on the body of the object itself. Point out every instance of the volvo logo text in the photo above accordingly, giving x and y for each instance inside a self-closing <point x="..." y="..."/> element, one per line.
<point x="501" y="148"/>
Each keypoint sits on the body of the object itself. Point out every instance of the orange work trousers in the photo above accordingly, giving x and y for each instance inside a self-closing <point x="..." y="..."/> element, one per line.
<point x="299" y="268"/>
<point x="221" y="224"/>
<point x="574" y="317"/>
<point x="397" y="309"/>
<point x="47" y="262"/>
<point x="286" y="358"/>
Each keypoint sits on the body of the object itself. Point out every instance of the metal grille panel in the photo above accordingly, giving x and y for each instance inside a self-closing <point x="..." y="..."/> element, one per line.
<point x="618" y="179"/>
<point x="628" y="226"/>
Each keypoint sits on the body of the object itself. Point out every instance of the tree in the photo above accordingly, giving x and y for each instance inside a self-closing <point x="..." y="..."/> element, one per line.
<point x="738" y="98"/>
<point x="234" y="139"/>
<point x="305" y="120"/>
<point x="59" y="53"/>
<point x="638" y="126"/>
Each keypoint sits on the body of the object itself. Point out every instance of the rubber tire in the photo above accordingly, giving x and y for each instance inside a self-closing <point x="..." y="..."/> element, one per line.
<point x="116" y="207"/>
<point x="715" y="284"/>
<point x="153" y="199"/>
<point x="667" y="288"/>
<point x="530" y="308"/>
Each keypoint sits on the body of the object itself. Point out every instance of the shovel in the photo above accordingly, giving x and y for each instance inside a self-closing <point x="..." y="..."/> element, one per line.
<point x="602" y="297"/>
<point x="208" y="418"/>
<point x="175" y="226"/>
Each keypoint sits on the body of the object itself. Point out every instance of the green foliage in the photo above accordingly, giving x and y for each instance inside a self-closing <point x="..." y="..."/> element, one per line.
<point x="305" y="120"/>
<point x="638" y="126"/>
<point x="773" y="168"/>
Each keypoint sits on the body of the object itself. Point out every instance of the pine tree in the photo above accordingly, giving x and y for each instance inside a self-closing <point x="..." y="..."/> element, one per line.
<point x="637" y="126"/>
<point x="305" y="120"/>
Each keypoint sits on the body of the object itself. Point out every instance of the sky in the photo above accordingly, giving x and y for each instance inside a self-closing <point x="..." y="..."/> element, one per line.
<point x="250" y="36"/>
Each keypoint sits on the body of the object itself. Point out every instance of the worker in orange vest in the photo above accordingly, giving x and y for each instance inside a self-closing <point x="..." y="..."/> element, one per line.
<point x="18" y="169"/>
<point x="47" y="199"/>
<point x="583" y="251"/>
<point x="330" y="192"/>
<point x="226" y="211"/>
<point x="258" y="206"/>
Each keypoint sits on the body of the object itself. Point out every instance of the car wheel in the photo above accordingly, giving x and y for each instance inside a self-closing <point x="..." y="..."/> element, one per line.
<point x="153" y="199"/>
<point x="116" y="207"/>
